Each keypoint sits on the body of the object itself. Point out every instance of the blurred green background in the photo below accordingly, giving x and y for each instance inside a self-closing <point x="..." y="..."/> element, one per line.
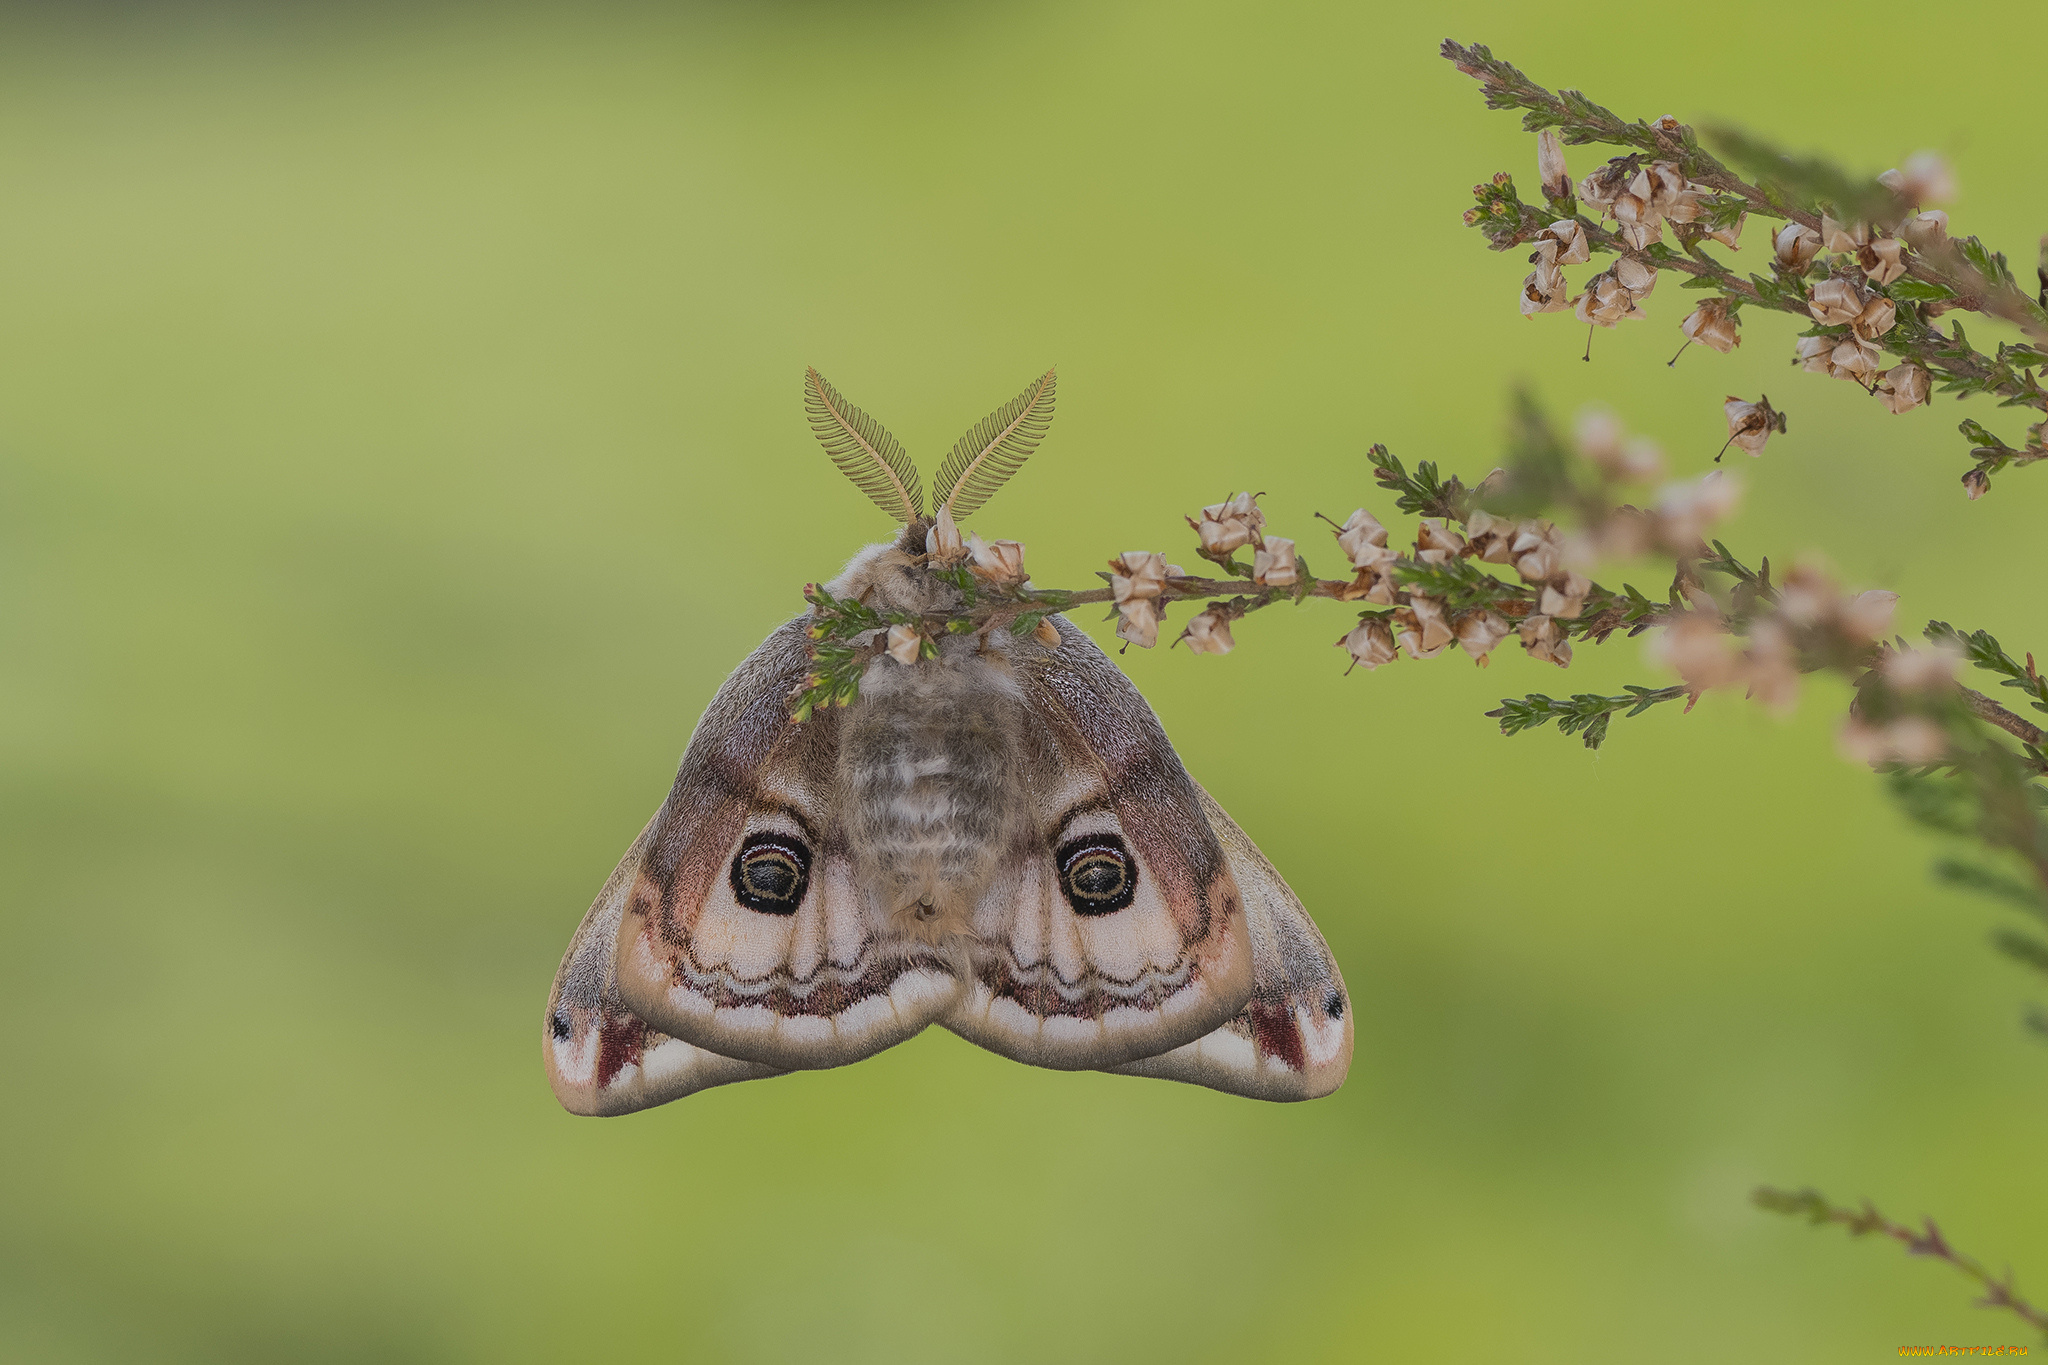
<point x="401" y="436"/>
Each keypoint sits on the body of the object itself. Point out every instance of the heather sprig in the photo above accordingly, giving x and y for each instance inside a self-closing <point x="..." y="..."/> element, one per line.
<point x="1860" y="261"/>
<point x="1926" y="1240"/>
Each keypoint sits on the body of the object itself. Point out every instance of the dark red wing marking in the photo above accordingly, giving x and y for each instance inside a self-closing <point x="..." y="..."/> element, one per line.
<point x="1275" y="1033"/>
<point x="619" y="1043"/>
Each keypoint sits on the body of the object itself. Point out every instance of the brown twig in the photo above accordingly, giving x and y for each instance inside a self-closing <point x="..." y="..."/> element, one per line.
<point x="2019" y="728"/>
<point x="1810" y="1204"/>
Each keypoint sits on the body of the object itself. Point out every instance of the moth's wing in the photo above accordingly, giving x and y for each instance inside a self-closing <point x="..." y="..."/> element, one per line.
<point x="1057" y="988"/>
<point x="601" y="1058"/>
<point x="816" y="987"/>
<point x="1292" y="1041"/>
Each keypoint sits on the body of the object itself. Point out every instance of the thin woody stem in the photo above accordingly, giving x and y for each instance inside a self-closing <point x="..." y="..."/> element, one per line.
<point x="1998" y="1293"/>
<point x="1517" y="600"/>
<point x="1986" y="709"/>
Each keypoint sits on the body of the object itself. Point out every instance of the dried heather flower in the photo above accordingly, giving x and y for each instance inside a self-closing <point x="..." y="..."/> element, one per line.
<point x="1808" y="596"/>
<point x="1929" y="178"/>
<point x="1137" y="574"/>
<point x="1713" y="324"/>
<point x="942" y="542"/>
<point x="1925" y="231"/>
<point x="1228" y="526"/>
<point x="1879" y="316"/>
<point x="1565" y="597"/>
<point x="1536" y="551"/>
<point x="1408" y="628"/>
<point x="1048" y="634"/>
<point x="1551" y="172"/>
<point x="1600" y="439"/>
<point x="1606" y="302"/>
<point x="1638" y="277"/>
<point x="1916" y="739"/>
<point x="999" y="560"/>
<point x="1607" y="184"/>
<point x="1770" y="669"/>
<point x="1697" y="650"/>
<point x="1369" y="644"/>
<point x="1904" y="387"/>
<point x="1926" y="179"/>
<point x="1835" y="302"/>
<point x="1642" y="460"/>
<point x="1624" y="533"/>
<point x="1854" y="359"/>
<point x="1479" y="631"/>
<point x="1750" y="424"/>
<point x="905" y="644"/>
<point x="1837" y="236"/>
<point x="1567" y="237"/>
<point x="1545" y="639"/>
<point x="1921" y="670"/>
<point x="1662" y="186"/>
<point x="1436" y="542"/>
<point x="1209" y="633"/>
<point x="1909" y="739"/>
<point x="1731" y="235"/>
<point x="1976" y="483"/>
<point x="1639" y="227"/>
<point x="1795" y="246"/>
<point x="1363" y="540"/>
<point x="1429" y="617"/>
<point x="1598" y="434"/>
<point x="1685" y="512"/>
<point x="1867" y="616"/>
<point x="1881" y="259"/>
<point x="1274" y="566"/>
<point x="1490" y="536"/>
<point x="1811" y="353"/>
<point x="1544" y="291"/>
<point x="1138" y="622"/>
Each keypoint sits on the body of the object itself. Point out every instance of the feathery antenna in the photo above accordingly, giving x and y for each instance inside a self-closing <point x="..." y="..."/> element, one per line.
<point x="984" y="459"/>
<point x="865" y="451"/>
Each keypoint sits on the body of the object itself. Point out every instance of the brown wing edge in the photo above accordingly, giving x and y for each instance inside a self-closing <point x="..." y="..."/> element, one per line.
<point x="1293" y="1039"/>
<point x="601" y="1058"/>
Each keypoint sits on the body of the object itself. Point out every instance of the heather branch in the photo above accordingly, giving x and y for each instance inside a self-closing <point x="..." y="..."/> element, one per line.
<point x="1580" y="120"/>
<point x="1508" y="222"/>
<point x="1984" y="708"/>
<point x="1797" y="192"/>
<point x="1912" y="280"/>
<point x="1928" y="1241"/>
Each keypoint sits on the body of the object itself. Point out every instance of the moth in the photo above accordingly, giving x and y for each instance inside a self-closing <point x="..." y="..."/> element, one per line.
<point x="996" y="838"/>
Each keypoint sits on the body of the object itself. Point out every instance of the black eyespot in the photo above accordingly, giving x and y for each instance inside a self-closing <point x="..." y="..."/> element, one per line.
<point x="558" y="1024"/>
<point x="1097" y="873"/>
<point x="1334" y="1006"/>
<point x="770" y="873"/>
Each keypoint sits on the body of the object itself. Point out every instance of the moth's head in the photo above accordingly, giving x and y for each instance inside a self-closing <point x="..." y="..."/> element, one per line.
<point x="897" y="575"/>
